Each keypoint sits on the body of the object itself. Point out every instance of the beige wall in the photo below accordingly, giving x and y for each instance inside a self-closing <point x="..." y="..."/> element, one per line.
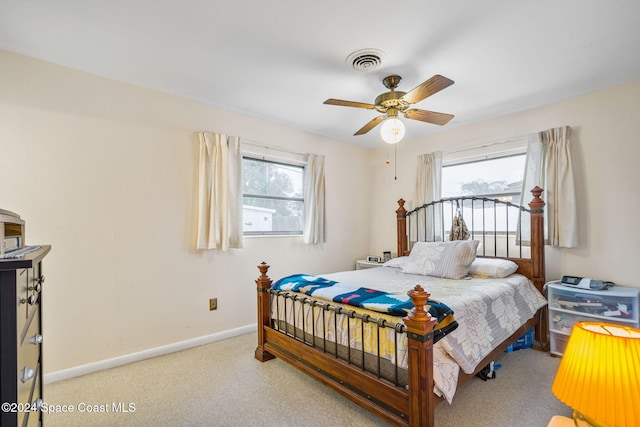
<point x="606" y="148"/>
<point x="106" y="173"/>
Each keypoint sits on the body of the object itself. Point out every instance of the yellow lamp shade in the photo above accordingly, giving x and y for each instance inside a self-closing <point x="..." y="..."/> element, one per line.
<point x="599" y="375"/>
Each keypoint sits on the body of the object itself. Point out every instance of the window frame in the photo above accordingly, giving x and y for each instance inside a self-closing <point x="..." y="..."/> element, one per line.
<point x="277" y="161"/>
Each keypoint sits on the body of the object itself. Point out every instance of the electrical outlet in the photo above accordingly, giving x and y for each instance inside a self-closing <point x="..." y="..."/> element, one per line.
<point x="213" y="304"/>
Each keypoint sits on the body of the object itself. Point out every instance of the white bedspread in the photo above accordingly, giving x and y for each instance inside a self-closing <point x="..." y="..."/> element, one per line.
<point x="488" y="311"/>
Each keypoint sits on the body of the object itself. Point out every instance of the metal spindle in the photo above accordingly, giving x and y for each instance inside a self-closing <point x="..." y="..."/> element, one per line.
<point x="286" y="314"/>
<point x="348" y="319"/>
<point x="484" y="229"/>
<point x="495" y="230"/>
<point x="452" y="218"/>
<point x="473" y="217"/>
<point x="304" y="329"/>
<point x="519" y="231"/>
<point x="313" y="323"/>
<point x="324" y="328"/>
<point x="381" y="323"/>
<point x="365" y="319"/>
<point x="295" y="325"/>
<point x="277" y="317"/>
<point x="395" y="351"/>
<point x="507" y="222"/>
<point x="335" y="326"/>
<point x="441" y="222"/>
<point x="426" y="239"/>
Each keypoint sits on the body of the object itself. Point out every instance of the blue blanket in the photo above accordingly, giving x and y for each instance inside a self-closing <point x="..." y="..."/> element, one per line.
<point x="370" y="299"/>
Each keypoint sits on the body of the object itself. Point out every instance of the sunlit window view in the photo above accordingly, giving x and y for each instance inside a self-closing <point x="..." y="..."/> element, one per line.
<point x="272" y="197"/>
<point x="499" y="178"/>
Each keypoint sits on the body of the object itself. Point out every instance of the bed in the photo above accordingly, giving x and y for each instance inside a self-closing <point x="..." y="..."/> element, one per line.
<point x="380" y="338"/>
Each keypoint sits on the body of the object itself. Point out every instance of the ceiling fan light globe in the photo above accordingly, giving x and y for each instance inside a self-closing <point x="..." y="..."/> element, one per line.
<point x="392" y="130"/>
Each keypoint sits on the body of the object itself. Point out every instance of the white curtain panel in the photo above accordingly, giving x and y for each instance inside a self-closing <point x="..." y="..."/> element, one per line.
<point x="559" y="188"/>
<point x="314" y="210"/>
<point x="533" y="175"/>
<point x="428" y="189"/>
<point x="549" y="166"/>
<point x="219" y="192"/>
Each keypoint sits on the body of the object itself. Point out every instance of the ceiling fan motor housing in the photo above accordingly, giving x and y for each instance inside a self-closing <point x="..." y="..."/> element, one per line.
<point x="392" y="99"/>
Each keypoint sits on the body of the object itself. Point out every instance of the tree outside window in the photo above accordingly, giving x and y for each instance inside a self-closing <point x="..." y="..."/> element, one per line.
<point x="273" y="200"/>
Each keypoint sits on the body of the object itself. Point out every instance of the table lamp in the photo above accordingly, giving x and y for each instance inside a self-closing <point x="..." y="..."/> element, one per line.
<point x="599" y="375"/>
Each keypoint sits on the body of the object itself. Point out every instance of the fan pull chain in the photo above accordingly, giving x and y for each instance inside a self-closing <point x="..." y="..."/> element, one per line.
<point x="395" y="162"/>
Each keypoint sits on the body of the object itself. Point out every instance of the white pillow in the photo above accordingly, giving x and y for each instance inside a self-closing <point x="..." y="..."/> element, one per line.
<point x="492" y="267"/>
<point x="398" y="262"/>
<point x="449" y="259"/>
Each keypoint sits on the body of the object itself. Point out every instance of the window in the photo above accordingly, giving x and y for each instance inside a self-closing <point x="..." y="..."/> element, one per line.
<point x="273" y="202"/>
<point x="498" y="177"/>
<point x="495" y="175"/>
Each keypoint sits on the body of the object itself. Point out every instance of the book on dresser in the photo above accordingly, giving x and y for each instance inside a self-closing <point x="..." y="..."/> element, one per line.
<point x="568" y="305"/>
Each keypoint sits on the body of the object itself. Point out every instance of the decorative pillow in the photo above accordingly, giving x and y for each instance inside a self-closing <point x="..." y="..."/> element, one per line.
<point x="398" y="262"/>
<point x="450" y="259"/>
<point x="492" y="267"/>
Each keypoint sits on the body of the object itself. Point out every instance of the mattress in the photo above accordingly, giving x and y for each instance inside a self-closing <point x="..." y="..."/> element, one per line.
<point x="488" y="311"/>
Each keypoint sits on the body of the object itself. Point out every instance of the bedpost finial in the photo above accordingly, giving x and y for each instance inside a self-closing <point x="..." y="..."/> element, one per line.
<point x="419" y="299"/>
<point x="537" y="191"/>
<point x="401" y="211"/>
<point x="537" y="204"/>
<point x="263" y="267"/>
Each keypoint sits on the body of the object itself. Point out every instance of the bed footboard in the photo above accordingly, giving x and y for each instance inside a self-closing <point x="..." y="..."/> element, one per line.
<point x="412" y="405"/>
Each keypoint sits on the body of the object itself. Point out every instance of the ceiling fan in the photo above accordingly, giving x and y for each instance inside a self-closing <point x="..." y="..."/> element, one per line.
<point x="395" y="102"/>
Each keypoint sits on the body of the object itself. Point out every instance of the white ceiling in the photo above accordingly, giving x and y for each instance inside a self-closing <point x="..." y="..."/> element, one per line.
<point x="280" y="59"/>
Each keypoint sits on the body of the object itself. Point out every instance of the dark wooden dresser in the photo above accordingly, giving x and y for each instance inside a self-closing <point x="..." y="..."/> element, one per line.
<point x="21" y="282"/>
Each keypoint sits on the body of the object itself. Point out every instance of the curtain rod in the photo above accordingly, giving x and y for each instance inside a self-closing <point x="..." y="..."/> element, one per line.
<point x="490" y="144"/>
<point x="286" y="150"/>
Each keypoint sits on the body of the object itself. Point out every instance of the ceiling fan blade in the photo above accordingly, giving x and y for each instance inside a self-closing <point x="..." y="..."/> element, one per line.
<point x="428" y="116"/>
<point x="366" y="128"/>
<point x="332" y="101"/>
<point x="427" y="88"/>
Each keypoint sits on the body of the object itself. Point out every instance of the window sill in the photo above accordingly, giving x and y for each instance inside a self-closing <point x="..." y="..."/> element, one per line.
<point x="262" y="236"/>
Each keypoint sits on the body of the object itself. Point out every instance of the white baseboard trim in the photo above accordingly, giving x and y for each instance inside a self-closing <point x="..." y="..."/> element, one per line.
<point x="77" y="371"/>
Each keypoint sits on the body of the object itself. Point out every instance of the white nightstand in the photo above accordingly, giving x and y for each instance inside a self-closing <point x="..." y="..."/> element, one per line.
<point x="361" y="264"/>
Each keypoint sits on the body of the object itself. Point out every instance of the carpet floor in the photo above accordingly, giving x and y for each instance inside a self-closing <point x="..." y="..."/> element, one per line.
<point x="222" y="384"/>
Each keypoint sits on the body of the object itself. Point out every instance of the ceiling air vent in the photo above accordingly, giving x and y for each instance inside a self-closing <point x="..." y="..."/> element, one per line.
<point x="365" y="59"/>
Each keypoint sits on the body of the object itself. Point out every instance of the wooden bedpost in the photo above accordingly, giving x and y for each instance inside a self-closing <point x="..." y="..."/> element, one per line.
<point x="420" y="360"/>
<point x="537" y="262"/>
<point x="537" y="237"/>
<point x="264" y="311"/>
<point x="403" y="245"/>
